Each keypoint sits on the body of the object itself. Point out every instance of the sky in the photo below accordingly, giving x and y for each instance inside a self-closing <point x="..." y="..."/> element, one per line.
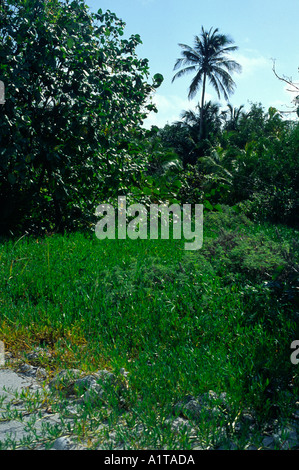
<point x="263" y="30"/>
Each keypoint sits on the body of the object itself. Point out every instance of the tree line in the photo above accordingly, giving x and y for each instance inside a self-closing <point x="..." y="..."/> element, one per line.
<point x="72" y="134"/>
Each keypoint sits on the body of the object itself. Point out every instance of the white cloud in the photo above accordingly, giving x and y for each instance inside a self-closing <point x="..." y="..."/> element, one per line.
<point x="251" y="63"/>
<point x="170" y="108"/>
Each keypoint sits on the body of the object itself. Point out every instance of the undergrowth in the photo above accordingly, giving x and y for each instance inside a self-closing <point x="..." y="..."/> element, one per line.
<point x="181" y="323"/>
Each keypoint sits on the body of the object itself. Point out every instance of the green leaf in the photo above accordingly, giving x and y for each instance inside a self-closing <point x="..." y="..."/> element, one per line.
<point x="70" y="42"/>
<point x="147" y="191"/>
<point x="158" y="79"/>
<point x="177" y="183"/>
<point x="11" y="178"/>
<point x="208" y="205"/>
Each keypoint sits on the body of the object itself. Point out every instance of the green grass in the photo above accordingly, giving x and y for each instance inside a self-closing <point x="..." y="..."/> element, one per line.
<point x="181" y="323"/>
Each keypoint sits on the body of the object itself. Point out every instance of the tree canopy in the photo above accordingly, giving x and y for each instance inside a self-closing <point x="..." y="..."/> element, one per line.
<point x="76" y="96"/>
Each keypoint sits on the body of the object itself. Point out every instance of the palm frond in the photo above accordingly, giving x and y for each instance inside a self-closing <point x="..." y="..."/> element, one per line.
<point x="184" y="71"/>
<point x="195" y="83"/>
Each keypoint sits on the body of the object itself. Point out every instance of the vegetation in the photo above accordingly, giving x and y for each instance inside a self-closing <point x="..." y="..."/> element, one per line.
<point x="70" y="128"/>
<point x="248" y="160"/>
<point x="181" y="323"/>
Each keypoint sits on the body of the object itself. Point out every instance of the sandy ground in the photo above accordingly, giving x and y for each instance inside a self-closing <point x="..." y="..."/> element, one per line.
<point x="15" y="430"/>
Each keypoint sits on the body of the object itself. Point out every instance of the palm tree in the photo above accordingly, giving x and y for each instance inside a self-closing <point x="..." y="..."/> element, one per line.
<point x="202" y="128"/>
<point x="209" y="117"/>
<point x="208" y="59"/>
<point x="234" y="117"/>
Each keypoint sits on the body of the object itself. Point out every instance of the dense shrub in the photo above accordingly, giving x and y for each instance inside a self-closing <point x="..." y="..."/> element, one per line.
<point x="70" y="129"/>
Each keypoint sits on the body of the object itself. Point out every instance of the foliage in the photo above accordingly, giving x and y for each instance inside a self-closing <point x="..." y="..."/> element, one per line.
<point x="159" y="312"/>
<point x="249" y="159"/>
<point x="232" y="117"/>
<point x="160" y="181"/>
<point x="76" y="96"/>
<point x="71" y="137"/>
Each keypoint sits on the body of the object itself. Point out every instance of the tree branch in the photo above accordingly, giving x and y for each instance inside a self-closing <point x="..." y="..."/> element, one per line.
<point x="292" y="84"/>
<point x="285" y="79"/>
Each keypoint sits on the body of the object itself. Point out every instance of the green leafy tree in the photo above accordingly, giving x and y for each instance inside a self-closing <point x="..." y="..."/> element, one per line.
<point x="255" y="125"/>
<point x="76" y="96"/>
<point x="177" y="137"/>
<point x="208" y="59"/>
<point x="257" y="164"/>
<point x="183" y="136"/>
<point x="205" y="135"/>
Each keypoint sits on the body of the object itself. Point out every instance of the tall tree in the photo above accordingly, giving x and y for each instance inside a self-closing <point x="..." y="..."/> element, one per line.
<point x="76" y="94"/>
<point x="209" y="59"/>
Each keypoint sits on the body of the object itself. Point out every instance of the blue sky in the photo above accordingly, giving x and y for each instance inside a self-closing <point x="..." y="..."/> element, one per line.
<point x="262" y="29"/>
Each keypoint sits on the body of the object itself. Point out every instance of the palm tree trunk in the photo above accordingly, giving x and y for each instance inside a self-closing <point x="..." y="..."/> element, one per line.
<point x="202" y="105"/>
